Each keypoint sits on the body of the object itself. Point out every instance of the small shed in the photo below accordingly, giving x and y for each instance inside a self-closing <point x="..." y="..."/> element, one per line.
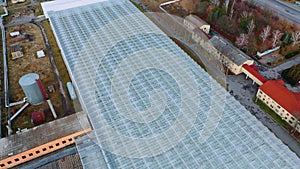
<point x="38" y="117"/>
<point x="14" y="34"/>
<point x="51" y="88"/>
<point x="40" y="54"/>
<point x="15" y="51"/>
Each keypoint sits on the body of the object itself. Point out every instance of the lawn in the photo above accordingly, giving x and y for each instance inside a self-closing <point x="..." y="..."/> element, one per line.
<point x="266" y="109"/>
<point x="63" y="71"/>
<point x="29" y="63"/>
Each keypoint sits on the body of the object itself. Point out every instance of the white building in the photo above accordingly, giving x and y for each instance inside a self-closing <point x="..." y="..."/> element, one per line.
<point x="192" y="22"/>
<point x="282" y="101"/>
<point x="40" y="54"/>
<point x="17" y="1"/>
<point x="14" y="34"/>
<point x="231" y="57"/>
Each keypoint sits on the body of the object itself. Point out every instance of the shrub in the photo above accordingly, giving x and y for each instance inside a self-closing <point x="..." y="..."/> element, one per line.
<point x="292" y="54"/>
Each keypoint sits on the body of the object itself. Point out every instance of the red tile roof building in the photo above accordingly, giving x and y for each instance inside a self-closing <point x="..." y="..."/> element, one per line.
<point x="252" y="72"/>
<point x="281" y="100"/>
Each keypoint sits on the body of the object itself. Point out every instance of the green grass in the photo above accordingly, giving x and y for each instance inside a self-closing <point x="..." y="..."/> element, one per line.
<point x="268" y="110"/>
<point x="139" y="7"/>
<point x="63" y="72"/>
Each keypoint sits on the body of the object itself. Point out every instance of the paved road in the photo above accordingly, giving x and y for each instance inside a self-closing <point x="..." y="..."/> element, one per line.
<point x="244" y="92"/>
<point x="275" y="72"/>
<point x="284" y="10"/>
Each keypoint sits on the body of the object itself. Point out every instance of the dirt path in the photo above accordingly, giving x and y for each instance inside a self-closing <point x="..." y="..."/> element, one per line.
<point x="65" y="103"/>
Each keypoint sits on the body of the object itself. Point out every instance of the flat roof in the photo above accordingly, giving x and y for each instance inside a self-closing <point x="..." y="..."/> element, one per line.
<point x="229" y="50"/>
<point x="150" y="104"/>
<point x="196" y="20"/>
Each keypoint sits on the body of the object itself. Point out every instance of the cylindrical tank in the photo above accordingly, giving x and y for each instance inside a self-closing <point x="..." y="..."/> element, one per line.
<point x="31" y="88"/>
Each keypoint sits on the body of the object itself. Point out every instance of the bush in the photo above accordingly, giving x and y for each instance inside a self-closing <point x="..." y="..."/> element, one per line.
<point x="292" y="54"/>
<point x="287" y="78"/>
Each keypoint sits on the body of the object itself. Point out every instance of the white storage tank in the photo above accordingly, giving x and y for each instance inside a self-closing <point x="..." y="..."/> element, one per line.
<point x="31" y="88"/>
<point x="71" y="91"/>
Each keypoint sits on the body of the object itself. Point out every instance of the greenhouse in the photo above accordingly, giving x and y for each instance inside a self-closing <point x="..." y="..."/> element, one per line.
<point x="150" y="104"/>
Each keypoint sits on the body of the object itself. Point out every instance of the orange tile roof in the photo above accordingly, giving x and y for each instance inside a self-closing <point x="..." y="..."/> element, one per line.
<point x="287" y="99"/>
<point x="254" y="71"/>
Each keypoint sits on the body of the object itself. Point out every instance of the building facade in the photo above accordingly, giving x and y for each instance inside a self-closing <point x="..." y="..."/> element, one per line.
<point x="282" y="101"/>
<point x="229" y="55"/>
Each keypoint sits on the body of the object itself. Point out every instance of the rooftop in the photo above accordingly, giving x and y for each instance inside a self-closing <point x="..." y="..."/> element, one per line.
<point x="196" y="20"/>
<point x="255" y="73"/>
<point x="228" y="49"/>
<point x="15" y="48"/>
<point x="150" y="104"/>
<point x="289" y="100"/>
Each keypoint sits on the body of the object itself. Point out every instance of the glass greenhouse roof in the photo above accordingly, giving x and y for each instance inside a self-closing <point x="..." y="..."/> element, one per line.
<point x="150" y="104"/>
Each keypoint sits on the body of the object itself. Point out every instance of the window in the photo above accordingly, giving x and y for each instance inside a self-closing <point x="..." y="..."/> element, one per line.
<point x="287" y="114"/>
<point x="290" y="122"/>
<point x="293" y="118"/>
<point x="278" y="107"/>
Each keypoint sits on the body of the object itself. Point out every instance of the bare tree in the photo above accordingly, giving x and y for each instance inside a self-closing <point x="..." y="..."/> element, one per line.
<point x="245" y="14"/>
<point x="242" y="40"/>
<point x="276" y="38"/>
<point x="216" y="2"/>
<point x="232" y="9"/>
<point x="226" y="5"/>
<point x="251" y="27"/>
<point x="296" y="38"/>
<point x="265" y="33"/>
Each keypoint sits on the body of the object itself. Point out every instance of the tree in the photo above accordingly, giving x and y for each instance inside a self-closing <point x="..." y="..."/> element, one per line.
<point x="276" y="38"/>
<point x="242" y="40"/>
<point x="296" y="38"/>
<point x="265" y="33"/>
<point x="245" y="14"/>
<point x="227" y="5"/>
<point x="232" y="9"/>
<point x="216" y="2"/>
<point x="251" y="27"/>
